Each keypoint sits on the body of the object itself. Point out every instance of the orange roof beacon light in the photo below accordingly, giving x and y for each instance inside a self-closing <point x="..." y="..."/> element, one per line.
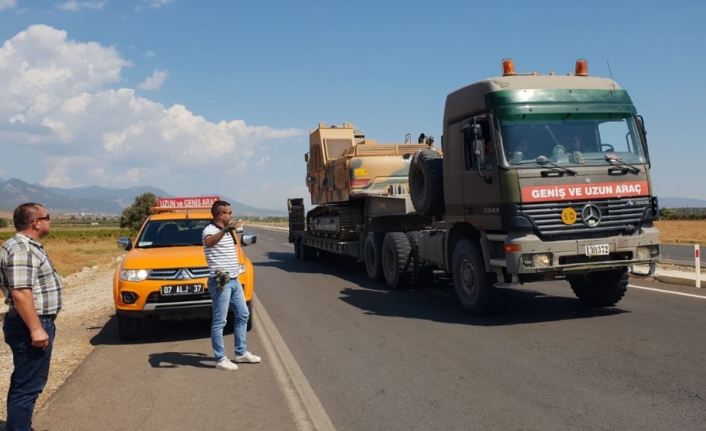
<point x="581" y="67"/>
<point x="508" y="67"/>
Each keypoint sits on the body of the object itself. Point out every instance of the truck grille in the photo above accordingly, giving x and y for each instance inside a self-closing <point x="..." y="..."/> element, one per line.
<point x="618" y="216"/>
<point x="178" y="273"/>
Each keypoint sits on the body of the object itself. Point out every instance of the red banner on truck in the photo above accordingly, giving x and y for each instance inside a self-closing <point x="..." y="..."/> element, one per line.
<point x="578" y="192"/>
<point x="198" y="201"/>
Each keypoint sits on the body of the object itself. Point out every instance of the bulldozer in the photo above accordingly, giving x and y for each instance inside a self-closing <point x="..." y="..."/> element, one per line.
<point x="345" y="170"/>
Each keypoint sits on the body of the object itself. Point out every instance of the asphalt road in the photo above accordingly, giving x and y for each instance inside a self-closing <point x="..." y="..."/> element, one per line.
<point x="376" y="359"/>
<point x="681" y="253"/>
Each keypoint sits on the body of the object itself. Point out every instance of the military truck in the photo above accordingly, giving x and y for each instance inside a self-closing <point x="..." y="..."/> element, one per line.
<point x="539" y="177"/>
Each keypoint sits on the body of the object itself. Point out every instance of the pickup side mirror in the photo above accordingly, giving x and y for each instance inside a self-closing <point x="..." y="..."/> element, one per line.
<point x="248" y="239"/>
<point x="125" y="244"/>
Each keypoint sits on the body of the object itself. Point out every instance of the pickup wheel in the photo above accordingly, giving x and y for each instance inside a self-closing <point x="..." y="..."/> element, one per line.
<point x="397" y="264"/>
<point x="128" y="327"/>
<point x="600" y="289"/>
<point x="474" y="287"/>
<point x="373" y="255"/>
<point x="426" y="183"/>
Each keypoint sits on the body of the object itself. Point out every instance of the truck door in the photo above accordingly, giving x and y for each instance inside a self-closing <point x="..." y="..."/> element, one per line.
<point x="481" y="185"/>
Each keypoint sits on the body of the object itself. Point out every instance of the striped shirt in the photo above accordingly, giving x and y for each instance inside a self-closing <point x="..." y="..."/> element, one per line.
<point x="24" y="264"/>
<point x="222" y="256"/>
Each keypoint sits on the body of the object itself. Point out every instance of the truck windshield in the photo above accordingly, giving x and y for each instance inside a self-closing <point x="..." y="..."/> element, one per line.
<point x="570" y="139"/>
<point x="172" y="233"/>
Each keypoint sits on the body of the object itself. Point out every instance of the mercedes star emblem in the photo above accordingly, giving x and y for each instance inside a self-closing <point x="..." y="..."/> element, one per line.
<point x="591" y="215"/>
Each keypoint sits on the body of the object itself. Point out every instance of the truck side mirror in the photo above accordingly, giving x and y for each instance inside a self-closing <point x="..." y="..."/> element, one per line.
<point x="306" y="157"/>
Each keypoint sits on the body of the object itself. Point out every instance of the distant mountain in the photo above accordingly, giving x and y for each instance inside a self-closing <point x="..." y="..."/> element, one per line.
<point x="95" y="199"/>
<point x="14" y="192"/>
<point x="246" y="210"/>
<point x="681" y="203"/>
<point x="123" y="197"/>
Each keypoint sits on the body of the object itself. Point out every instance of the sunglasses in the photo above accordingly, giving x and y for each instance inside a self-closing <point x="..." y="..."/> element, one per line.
<point x="47" y="218"/>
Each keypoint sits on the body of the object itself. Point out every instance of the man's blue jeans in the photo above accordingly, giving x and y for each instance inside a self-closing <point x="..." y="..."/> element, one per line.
<point x="31" y="371"/>
<point x="231" y="296"/>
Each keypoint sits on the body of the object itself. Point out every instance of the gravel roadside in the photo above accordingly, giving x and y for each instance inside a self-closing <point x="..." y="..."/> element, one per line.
<point x="88" y="305"/>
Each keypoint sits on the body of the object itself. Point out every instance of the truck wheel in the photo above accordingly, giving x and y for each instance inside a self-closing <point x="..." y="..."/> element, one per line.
<point x="600" y="289"/>
<point x="128" y="327"/>
<point x="426" y="183"/>
<point x="298" y="248"/>
<point x="307" y="252"/>
<point x="397" y="265"/>
<point x="373" y="255"/>
<point x="474" y="287"/>
<point x="422" y="274"/>
<point x="250" y="313"/>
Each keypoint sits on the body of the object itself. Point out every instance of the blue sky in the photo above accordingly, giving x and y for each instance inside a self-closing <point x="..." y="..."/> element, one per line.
<point x="219" y="96"/>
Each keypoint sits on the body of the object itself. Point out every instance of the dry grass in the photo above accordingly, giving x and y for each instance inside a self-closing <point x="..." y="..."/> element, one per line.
<point x="71" y="255"/>
<point x="682" y="231"/>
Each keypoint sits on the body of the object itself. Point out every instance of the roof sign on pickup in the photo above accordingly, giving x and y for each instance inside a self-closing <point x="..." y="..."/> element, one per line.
<point x="191" y="202"/>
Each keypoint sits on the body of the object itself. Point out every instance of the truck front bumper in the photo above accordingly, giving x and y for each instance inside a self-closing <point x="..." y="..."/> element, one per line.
<point x="572" y="256"/>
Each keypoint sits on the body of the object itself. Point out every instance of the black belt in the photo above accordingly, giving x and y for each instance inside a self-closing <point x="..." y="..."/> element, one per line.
<point x="14" y="313"/>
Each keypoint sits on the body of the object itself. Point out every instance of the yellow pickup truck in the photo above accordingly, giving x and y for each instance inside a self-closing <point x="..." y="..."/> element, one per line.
<point x="164" y="275"/>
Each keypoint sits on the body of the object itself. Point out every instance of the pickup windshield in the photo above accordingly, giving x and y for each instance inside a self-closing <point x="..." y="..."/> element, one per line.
<point x="570" y="139"/>
<point x="172" y="233"/>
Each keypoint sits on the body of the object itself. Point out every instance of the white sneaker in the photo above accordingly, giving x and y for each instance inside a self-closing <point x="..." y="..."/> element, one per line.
<point x="247" y="357"/>
<point x="226" y="364"/>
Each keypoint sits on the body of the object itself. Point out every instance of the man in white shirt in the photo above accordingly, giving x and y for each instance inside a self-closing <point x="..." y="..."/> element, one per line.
<point x="226" y="290"/>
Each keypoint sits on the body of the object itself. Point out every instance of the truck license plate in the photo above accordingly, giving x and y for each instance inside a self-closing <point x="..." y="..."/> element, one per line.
<point x="182" y="289"/>
<point x="597" y="250"/>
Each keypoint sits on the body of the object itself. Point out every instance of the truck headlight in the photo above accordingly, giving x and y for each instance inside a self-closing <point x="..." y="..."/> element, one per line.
<point x="647" y="252"/>
<point x="134" y="274"/>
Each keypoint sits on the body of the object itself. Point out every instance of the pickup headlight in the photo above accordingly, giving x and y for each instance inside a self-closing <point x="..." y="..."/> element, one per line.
<point x="241" y="268"/>
<point x="134" y="274"/>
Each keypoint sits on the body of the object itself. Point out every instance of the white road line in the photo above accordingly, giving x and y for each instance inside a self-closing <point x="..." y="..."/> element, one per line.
<point x="305" y="406"/>
<point x="270" y="239"/>
<point x="286" y="243"/>
<point x="667" y="291"/>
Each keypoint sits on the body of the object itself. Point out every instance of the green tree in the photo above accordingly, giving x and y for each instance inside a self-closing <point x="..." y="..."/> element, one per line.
<point x="3" y="222"/>
<point x="135" y="215"/>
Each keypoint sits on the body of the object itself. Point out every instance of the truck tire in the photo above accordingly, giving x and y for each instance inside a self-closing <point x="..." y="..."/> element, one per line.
<point x="397" y="265"/>
<point x="426" y="183"/>
<point x="423" y="273"/>
<point x="600" y="289"/>
<point x="298" y="248"/>
<point x="474" y="287"/>
<point x="128" y="327"/>
<point x="307" y="252"/>
<point x="373" y="255"/>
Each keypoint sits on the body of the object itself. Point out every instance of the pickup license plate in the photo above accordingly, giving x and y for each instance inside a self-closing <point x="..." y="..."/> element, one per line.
<point x="181" y="289"/>
<point x="597" y="250"/>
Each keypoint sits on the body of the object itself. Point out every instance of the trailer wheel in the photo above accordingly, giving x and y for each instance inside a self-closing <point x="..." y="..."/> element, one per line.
<point x="423" y="273"/>
<point x="373" y="255"/>
<point x="397" y="265"/>
<point x="426" y="183"/>
<point x="308" y="252"/>
<point x="298" y="248"/>
<point x="600" y="289"/>
<point x="474" y="287"/>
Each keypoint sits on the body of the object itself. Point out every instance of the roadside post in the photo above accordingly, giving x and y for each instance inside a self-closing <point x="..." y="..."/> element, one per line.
<point x="697" y="264"/>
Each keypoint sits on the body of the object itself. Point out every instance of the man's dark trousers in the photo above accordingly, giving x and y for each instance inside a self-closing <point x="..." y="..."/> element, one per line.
<point x="31" y="370"/>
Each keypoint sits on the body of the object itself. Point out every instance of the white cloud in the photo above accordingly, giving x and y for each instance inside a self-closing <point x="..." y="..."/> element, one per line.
<point x="148" y="54"/>
<point x="153" y="4"/>
<point x="77" y="5"/>
<point x="59" y="105"/>
<point x="7" y="4"/>
<point x="260" y="165"/>
<point x="155" y="81"/>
